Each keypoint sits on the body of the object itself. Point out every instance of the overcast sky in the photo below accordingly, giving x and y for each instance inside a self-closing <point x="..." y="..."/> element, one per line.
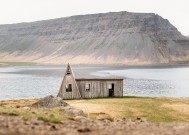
<point x="15" y="11"/>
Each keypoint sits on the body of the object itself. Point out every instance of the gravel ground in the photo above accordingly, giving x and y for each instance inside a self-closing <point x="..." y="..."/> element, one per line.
<point x="17" y="125"/>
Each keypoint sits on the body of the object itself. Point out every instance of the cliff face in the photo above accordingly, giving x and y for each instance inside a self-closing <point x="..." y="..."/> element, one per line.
<point x="110" y="38"/>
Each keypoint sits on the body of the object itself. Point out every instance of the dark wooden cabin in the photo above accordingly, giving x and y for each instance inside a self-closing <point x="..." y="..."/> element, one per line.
<point x="72" y="88"/>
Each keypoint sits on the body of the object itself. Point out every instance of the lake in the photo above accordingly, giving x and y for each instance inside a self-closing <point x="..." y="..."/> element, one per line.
<point x="22" y="82"/>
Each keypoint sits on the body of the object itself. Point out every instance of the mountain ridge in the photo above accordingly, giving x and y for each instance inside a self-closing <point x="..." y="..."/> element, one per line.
<point x="105" y="38"/>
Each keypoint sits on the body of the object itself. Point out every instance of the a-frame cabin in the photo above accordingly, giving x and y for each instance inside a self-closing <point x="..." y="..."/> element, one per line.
<point x="76" y="88"/>
<point x="69" y="89"/>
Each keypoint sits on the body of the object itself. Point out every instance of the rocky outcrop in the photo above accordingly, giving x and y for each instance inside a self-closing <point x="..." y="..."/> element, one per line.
<point x="50" y="101"/>
<point x="108" y="38"/>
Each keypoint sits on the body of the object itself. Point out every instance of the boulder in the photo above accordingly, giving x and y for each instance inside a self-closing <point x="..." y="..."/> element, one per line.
<point x="50" y="101"/>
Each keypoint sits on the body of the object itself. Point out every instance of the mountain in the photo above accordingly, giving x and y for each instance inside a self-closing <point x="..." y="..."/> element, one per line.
<point x="106" y="38"/>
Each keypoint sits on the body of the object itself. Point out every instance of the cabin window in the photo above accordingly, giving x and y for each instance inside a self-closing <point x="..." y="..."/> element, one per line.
<point x="87" y="87"/>
<point x="109" y="86"/>
<point x="68" y="87"/>
<point x="68" y="72"/>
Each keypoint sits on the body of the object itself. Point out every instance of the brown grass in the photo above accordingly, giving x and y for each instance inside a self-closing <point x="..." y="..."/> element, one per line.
<point x="17" y="103"/>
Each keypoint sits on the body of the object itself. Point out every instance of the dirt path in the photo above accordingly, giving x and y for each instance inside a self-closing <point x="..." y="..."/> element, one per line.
<point x="17" y="125"/>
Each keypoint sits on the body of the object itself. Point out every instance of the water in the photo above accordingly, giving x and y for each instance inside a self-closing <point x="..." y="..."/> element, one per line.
<point x="39" y="81"/>
<point x="172" y="82"/>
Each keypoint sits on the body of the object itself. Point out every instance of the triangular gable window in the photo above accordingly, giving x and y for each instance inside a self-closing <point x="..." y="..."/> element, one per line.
<point x="68" y="71"/>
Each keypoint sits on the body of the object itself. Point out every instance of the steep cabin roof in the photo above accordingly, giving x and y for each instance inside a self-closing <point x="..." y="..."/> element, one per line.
<point x="82" y="76"/>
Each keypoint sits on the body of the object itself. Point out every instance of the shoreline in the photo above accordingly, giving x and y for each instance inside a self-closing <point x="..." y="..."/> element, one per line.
<point x="163" y="65"/>
<point x="2" y="100"/>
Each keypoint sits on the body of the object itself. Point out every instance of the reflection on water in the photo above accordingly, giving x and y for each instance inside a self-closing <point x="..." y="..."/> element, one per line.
<point x="39" y="81"/>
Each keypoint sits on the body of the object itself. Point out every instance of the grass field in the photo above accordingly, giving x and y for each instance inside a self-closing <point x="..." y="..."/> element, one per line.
<point x="157" y="109"/>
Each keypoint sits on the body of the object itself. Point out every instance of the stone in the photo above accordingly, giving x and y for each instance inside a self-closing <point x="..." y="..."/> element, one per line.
<point x="84" y="130"/>
<point x="50" y="101"/>
<point x="73" y="111"/>
<point x="27" y="108"/>
<point x="53" y="127"/>
<point x="81" y="119"/>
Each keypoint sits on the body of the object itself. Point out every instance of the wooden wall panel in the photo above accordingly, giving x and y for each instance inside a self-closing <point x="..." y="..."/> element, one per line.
<point x="100" y="88"/>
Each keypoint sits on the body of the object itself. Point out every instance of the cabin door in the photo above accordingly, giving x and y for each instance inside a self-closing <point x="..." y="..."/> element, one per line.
<point x="111" y="90"/>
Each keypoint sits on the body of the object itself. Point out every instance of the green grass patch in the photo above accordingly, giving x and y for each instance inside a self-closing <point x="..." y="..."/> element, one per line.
<point x="53" y="115"/>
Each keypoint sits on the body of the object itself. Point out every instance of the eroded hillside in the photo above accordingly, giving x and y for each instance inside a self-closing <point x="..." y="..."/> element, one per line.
<point x="109" y="38"/>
